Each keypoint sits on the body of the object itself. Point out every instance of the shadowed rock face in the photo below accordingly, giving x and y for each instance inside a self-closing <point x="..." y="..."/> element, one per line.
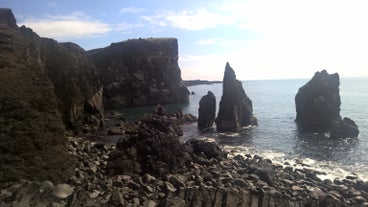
<point x="207" y="111"/>
<point x="77" y="86"/>
<point x="318" y="107"/>
<point x="236" y="108"/>
<point x="32" y="142"/>
<point x="140" y="72"/>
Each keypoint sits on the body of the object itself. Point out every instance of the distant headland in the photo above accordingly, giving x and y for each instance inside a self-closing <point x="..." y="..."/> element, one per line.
<point x="199" y="82"/>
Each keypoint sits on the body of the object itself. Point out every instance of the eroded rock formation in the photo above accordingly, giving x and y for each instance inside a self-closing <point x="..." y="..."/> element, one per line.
<point x="207" y="111"/>
<point x="318" y="107"/>
<point x="32" y="142"/>
<point x="77" y="86"/>
<point x="236" y="108"/>
<point x="140" y="72"/>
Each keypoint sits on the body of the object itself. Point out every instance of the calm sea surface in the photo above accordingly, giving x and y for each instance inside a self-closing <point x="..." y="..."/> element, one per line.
<point x="277" y="137"/>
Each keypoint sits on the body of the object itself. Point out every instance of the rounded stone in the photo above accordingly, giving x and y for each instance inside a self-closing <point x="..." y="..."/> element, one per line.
<point x="63" y="191"/>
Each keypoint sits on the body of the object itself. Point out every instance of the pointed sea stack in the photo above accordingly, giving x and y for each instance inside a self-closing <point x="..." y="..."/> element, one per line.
<point x="318" y="107"/>
<point x="207" y="111"/>
<point x="236" y="108"/>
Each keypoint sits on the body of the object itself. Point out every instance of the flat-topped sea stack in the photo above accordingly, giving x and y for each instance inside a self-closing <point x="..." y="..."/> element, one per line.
<point x="236" y="110"/>
<point x="140" y="72"/>
<point x="318" y="107"/>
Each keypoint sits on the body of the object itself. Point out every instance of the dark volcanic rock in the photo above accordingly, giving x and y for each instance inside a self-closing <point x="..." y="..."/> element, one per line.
<point x="209" y="149"/>
<point x="140" y="72"/>
<point x="236" y="108"/>
<point x="206" y="111"/>
<point x="77" y="86"/>
<point x="7" y="18"/>
<point x="32" y="142"/>
<point x="152" y="147"/>
<point x="318" y="107"/>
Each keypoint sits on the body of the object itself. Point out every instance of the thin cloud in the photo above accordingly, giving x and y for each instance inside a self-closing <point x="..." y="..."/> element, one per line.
<point x="53" y="4"/>
<point x="128" y="27"/>
<point x="131" y="10"/>
<point x="74" y="25"/>
<point x="194" y="20"/>
<point x="222" y="41"/>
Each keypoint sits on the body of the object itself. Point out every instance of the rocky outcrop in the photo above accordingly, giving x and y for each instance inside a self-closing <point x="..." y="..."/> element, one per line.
<point x="32" y="142"/>
<point x="206" y="111"/>
<point x="151" y="147"/>
<point x="211" y="179"/>
<point x="140" y="72"/>
<point x="236" y="108"/>
<point x="318" y="107"/>
<point x="77" y="86"/>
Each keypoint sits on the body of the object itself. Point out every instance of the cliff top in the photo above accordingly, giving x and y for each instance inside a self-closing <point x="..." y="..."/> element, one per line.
<point x="7" y="17"/>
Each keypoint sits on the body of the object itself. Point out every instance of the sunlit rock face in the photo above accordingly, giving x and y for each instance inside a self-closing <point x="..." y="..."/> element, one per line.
<point x="236" y="110"/>
<point x="140" y="72"/>
<point x="317" y="106"/>
<point x="32" y="142"/>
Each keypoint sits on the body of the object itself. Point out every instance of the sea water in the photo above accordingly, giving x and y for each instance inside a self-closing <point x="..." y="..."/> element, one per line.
<point x="277" y="137"/>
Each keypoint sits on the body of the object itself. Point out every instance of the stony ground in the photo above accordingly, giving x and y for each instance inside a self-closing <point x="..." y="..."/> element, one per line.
<point x="149" y="167"/>
<point x="236" y="181"/>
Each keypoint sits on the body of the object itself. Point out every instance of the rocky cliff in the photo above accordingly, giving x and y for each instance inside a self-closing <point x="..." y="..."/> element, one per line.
<point x="31" y="128"/>
<point x="140" y="72"/>
<point x="318" y="107"/>
<point x="77" y="86"/>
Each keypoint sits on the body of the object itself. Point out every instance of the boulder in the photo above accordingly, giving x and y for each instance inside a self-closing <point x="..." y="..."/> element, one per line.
<point x="236" y="108"/>
<point x="207" y="111"/>
<point x="317" y="106"/>
<point x="209" y="149"/>
<point x="140" y="72"/>
<point x="32" y="142"/>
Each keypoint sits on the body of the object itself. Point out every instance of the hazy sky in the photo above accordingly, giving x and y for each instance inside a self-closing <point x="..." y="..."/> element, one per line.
<point x="262" y="39"/>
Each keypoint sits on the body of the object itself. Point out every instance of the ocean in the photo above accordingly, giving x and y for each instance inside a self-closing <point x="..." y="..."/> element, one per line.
<point x="277" y="137"/>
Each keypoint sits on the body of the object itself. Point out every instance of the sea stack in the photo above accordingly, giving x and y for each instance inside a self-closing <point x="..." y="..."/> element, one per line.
<point x="236" y="108"/>
<point x="318" y="107"/>
<point x="206" y="111"/>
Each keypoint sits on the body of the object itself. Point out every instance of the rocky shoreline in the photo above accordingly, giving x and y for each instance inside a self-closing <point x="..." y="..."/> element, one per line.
<point x="213" y="177"/>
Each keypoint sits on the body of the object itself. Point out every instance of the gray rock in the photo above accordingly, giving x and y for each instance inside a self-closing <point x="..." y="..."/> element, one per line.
<point x="177" y="180"/>
<point x="63" y="190"/>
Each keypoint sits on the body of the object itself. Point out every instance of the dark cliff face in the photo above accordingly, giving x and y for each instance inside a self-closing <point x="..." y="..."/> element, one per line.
<point x="31" y="128"/>
<point x="317" y="106"/>
<point x="140" y="72"/>
<point x="236" y="108"/>
<point x="77" y="86"/>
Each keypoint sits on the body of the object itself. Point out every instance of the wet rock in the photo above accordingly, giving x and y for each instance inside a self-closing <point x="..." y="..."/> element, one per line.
<point x="236" y="108"/>
<point x="318" y="107"/>
<point x="209" y="149"/>
<point x="206" y="111"/>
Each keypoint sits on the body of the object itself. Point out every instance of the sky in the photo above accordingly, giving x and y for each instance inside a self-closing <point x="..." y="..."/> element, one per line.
<point x="261" y="39"/>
